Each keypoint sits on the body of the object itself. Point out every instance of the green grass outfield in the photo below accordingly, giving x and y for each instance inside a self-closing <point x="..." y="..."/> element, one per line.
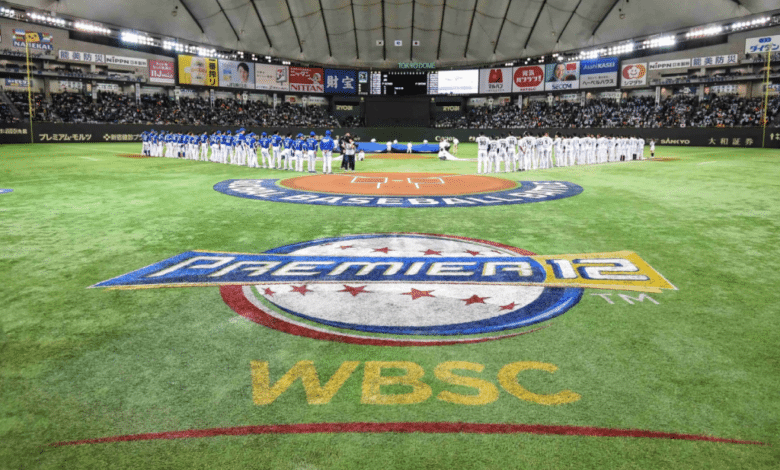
<point x="78" y="363"/>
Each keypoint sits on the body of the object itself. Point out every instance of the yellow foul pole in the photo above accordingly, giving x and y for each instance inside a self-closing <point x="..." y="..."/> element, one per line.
<point x="29" y="87"/>
<point x="766" y="93"/>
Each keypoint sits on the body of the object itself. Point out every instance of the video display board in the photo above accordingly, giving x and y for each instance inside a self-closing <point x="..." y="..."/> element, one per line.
<point x="453" y="82"/>
<point x="399" y="83"/>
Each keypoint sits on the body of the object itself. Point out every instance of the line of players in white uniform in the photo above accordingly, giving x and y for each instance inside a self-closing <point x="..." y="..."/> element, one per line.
<point x="242" y="148"/>
<point x="539" y="152"/>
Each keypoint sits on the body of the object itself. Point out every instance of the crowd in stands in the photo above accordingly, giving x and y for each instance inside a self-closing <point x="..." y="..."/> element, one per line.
<point x="116" y="108"/>
<point x="675" y="111"/>
<point x="73" y="72"/>
<point x="637" y="112"/>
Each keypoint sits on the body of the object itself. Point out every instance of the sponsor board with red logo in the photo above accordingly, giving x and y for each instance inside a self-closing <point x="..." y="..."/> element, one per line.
<point x="307" y="79"/>
<point x="527" y="79"/>
<point x="634" y="75"/>
<point x="495" y="80"/>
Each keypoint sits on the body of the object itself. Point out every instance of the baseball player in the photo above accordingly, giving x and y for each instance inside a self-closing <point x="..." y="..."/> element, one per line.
<point x="492" y="153"/>
<point x="311" y="153"/>
<point x="502" y="154"/>
<point x="482" y="153"/>
<point x="558" y="147"/>
<point x="276" y="142"/>
<point x="511" y="152"/>
<point x="326" y="145"/>
<point x="298" y="153"/>
<point x="652" y="148"/>
<point x="265" y="158"/>
<point x="251" y="152"/>
<point x="287" y="153"/>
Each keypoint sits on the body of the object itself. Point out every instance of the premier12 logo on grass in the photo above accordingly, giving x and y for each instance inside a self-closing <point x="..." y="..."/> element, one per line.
<point x="399" y="289"/>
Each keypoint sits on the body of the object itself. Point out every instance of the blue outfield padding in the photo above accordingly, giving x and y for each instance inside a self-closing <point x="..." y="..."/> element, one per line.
<point x="373" y="147"/>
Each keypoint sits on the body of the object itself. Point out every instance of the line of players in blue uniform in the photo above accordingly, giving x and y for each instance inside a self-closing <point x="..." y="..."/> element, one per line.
<point x="242" y="148"/>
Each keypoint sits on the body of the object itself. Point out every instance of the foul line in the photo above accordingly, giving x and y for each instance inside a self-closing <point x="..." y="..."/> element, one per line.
<point x="407" y="427"/>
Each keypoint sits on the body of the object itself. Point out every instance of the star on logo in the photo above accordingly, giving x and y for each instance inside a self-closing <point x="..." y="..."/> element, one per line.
<point x="416" y="294"/>
<point x="383" y="250"/>
<point x="432" y="252"/>
<point x="269" y="292"/>
<point x="355" y="290"/>
<point x="301" y="289"/>
<point x="472" y="253"/>
<point x="474" y="299"/>
<point x="508" y="306"/>
<point x="345" y="247"/>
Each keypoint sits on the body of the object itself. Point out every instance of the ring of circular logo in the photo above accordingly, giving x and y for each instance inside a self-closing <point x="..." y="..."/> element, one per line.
<point x="403" y="313"/>
<point x="384" y="190"/>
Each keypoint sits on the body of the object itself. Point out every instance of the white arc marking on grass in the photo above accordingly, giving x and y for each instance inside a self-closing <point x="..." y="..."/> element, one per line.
<point x="704" y="163"/>
<point x="88" y="158"/>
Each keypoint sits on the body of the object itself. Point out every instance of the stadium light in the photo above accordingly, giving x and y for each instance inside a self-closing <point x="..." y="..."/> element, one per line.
<point x="703" y="32"/>
<point x="135" y="38"/>
<point x="757" y="22"/>
<point x="7" y="12"/>
<point x="48" y="19"/>
<point x="662" y="41"/>
<point x="93" y="28"/>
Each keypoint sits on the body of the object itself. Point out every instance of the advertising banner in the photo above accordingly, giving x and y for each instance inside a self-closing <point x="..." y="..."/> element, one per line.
<point x="38" y="41"/>
<point x="497" y="80"/>
<point x="16" y="82"/>
<point x="236" y="74"/>
<point x="598" y="73"/>
<point x="126" y="61"/>
<point x="78" y="56"/>
<point x="340" y="82"/>
<point x="161" y="71"/>
<point x="272" y="77"/>
<point x="562" y="76"/>
<point x="670" y="64"/>
<point x="310" y="80"/>
<point x="198" y="71"/>
<point x="731" y="59"/>
<point x="762" y="44"/>
<point x="527" y="79"/>
<point x="634" y="75"/>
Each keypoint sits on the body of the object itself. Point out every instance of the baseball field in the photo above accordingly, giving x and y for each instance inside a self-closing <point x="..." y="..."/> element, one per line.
<point x="165" y="313"/>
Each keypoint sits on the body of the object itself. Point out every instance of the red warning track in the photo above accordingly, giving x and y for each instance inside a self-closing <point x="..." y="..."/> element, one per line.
<point x="406" y="427"/>
<point x="399" y="184"/>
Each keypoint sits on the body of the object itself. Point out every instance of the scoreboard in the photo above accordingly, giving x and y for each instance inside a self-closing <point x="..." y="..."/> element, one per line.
<point x="399" y="83"/>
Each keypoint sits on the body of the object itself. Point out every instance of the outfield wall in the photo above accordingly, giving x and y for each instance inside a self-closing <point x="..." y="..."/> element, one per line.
<point x="747" y="137"/>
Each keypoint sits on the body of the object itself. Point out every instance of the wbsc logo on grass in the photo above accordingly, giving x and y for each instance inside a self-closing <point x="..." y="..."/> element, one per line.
<point x="399" y="289"/>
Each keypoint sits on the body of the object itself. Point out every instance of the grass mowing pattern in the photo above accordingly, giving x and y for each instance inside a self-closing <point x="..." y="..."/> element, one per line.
<point x="83" y="363"/>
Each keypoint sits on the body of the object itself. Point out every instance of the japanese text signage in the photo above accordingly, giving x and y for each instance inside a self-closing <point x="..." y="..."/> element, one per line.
<point x="161" y="71"/>
<point x="272" y="77"/>
<point x="598" y="73"/>
<point x="762" y="44"/>
<point x="670" y="64"/>
<point x="527" y="79"/>
<point x="307" y="79"/>
<point x="198" y="71"/>
<point x="562" y="76"/>
<point x="340" y="82"/>
<point x="731" y="59"/>
<point x="36" y="40"/>
<point x="634" y="75"/>
<point x="497" y="80"/>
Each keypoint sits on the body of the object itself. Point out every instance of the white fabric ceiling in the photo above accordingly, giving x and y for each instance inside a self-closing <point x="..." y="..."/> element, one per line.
<point x="450" y="32"/>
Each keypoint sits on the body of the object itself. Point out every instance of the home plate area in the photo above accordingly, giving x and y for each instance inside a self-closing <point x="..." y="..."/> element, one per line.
<point x="399" y="184"/>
